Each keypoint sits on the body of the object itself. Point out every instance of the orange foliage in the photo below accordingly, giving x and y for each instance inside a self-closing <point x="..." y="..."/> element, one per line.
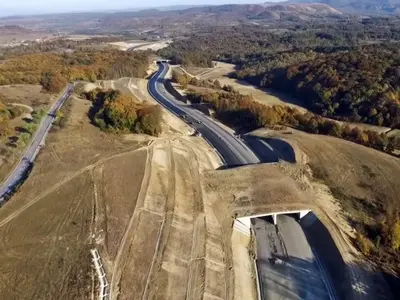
<point x="87" y="65"/>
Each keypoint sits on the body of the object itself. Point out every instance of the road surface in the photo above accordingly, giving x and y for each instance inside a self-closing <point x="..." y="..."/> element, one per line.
<point x="287" y="266"/>
<point x="232" y="150"/>
<point x="30" y="153"/>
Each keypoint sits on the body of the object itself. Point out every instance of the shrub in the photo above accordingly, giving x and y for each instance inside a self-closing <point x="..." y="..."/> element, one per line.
<point x="364" y="244"/>
<point x="24" y="138"/>
<point x="149" y="121"/>
<point x="396" y="236"/>
<point x="121" y="113"/>
<point x="15" y="111"/>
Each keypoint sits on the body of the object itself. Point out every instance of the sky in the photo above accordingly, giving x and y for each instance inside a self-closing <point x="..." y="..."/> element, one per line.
<point x="23" y="7"/>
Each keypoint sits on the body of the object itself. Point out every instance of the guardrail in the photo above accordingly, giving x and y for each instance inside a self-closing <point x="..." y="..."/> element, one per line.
<point x="101" y="274"/>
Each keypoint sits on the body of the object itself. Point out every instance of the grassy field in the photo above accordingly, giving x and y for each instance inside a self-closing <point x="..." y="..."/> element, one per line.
<point x="364" y="178"/>
<point x="52" y="222"/>
<point x="26" y="94"/>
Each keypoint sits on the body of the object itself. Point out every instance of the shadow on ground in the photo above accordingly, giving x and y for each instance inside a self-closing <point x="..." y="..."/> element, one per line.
<point x="289" y="277"/>
<point x="270" y="150"/>
<point x="350" y="281"/>
<point x="310" y="286"/>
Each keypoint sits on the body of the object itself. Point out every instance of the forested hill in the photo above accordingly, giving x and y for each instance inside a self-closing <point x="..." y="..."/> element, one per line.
<point x="370" y="7"/>
<point x="362" y="85"/>
<point x="53" y="70"/>
<point x="345" y="71"/>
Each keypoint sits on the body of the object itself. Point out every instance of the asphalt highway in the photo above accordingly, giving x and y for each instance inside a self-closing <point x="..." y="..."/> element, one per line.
<point x="232" y="150"/>
<point x="30" y="153"/>
<point x="288" y="268"/>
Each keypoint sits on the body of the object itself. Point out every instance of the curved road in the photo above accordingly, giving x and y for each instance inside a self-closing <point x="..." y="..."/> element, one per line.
<point x="30" y="153"/>
<point x="232" y="150"/>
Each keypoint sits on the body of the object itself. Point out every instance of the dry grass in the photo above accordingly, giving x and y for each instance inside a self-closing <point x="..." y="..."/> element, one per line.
<point x="160" y="215"/>
<point x="357" y="188"/>
<point x="364" y="179"/>
<point x="26" y="94"/>
<point x="197" y="71"/>
<point x="220" y="70"/>
<point x="52" y="222"/>
<point x="45" y="250"/>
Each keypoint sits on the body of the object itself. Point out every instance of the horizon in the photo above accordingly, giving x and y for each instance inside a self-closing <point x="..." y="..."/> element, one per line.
<point x="48" y="7"/>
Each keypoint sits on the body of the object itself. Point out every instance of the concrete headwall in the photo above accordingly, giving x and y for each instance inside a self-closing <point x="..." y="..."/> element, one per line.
<point x="247" y="220"/>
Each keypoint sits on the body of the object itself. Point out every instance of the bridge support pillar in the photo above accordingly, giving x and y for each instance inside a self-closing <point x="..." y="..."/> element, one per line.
<point x="274" y="218"/>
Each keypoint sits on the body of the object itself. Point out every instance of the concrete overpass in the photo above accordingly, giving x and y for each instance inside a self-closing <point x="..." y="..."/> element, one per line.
<point x="243" y="224"/>
<point x="287" y="265"/>
<point x="162" y="61"/>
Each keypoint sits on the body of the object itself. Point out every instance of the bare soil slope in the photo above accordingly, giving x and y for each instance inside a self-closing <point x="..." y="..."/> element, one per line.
<point x="365" y="177"/>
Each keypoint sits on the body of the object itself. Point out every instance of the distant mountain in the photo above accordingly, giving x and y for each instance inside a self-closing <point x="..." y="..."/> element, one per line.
<point x="163" y="22"/>
<point x="370" y="7"/>
<point x="238" y="12"/>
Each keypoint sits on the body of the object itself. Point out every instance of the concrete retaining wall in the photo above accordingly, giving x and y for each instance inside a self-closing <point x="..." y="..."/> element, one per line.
<point x="247" y="220"/>
<point x="243" y="228"/>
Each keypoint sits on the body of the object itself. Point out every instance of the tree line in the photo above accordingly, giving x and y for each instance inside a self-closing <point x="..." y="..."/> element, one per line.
<point x="55" y="45"/>
<point x="244" y="114"/>
<point x="362" y="85"/>
<point x="54" y="70"/>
